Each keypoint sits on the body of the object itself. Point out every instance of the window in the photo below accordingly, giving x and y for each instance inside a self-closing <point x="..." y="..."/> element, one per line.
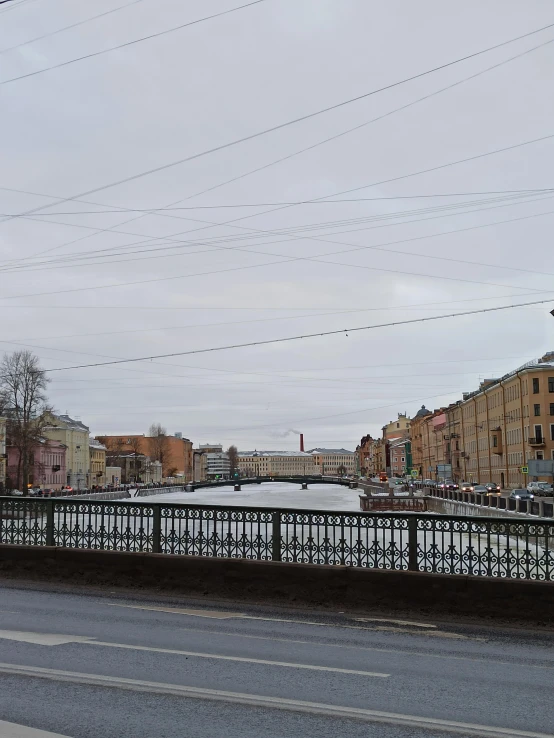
<point x="552" y="408"/>
<point x="495" y="441"/>
<point x="536" y="386"/>
<point x="538" y="433"/>
<point x="551" y="384"/>
<point x="552" y="432"/>
<point x="537" y="409"/>
<point x="540" y="456"/>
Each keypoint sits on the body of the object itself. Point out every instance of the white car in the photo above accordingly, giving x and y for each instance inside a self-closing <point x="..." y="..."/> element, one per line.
<point x="541" y="489"/>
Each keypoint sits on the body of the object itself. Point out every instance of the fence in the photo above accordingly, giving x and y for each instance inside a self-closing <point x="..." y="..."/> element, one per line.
<point x="410" y="541"/>
<point x="540" y="508"/>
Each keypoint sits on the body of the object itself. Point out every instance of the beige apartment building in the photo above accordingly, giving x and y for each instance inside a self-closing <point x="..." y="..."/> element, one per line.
<point x="75" y="435"/>
<point x="97" y="474"/>
<point x="399" y="428"/>
<point x="334" y="461"/>
<point x="492" y="433"/>
<point x="277" y="464"/>
<point x="3" y="454"/>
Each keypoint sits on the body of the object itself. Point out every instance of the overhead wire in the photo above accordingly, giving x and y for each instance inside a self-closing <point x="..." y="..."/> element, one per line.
<point x="67" y="28"/>
<point x="287" y="123"/>
<point x="95" y="54"/>
<point x="343" y="331"/>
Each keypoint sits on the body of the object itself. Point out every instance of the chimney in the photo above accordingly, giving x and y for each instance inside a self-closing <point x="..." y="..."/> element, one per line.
<point x="302" y="442"/>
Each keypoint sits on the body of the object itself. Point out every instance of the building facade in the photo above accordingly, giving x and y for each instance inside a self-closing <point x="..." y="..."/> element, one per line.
<point x="217" y="463"/>
<point x="3" y="454"/>
<point x="174" y="452"/>
<point x="491" y="434"/>
<point x="48" y="466"/>
<point x="199" y="462"/>
<point x="138" y="468"/>
<point x="277" y="464"/>
<point x="75" y="436"/>
<point x="97" y="474"/>
<point x="399" y="428"/>
<point x="334" y="461"/>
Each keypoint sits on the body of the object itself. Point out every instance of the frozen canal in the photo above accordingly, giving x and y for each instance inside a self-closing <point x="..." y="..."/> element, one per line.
<point x="270" y="494"/>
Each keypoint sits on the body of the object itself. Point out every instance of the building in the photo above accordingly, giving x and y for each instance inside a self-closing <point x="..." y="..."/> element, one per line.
<point x="199" y="462"/>
<point x="334" y="461"/>
<point x="75" y="436"/>
<point x="48" y="466"/>
<point x="3" y="454"/>
<point x="277" y="464"/>
<point x="97" y="474"/>
<point x="400" y="459"/>
<point x="138" y="468"/>
<point x="113" y="475"/>
<point x="174" y="452"/>
<point x="491" y="434"/>
<point x="399" y="428"/>
<point x="217" y="463"/>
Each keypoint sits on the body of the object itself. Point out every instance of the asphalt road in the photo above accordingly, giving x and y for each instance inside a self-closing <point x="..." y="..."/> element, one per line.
<point x="107" y="665"/>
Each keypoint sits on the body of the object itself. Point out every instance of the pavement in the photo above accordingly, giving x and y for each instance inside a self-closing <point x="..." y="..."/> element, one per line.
<point x="101" y="664"/>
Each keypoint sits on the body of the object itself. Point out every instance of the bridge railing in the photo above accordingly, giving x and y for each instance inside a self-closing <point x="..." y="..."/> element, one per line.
<point x="538" y="507"/>
<point x="477" y="546"/>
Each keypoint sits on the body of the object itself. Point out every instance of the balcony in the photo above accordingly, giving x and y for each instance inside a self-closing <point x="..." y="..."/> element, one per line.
<point x="537" y="442"/>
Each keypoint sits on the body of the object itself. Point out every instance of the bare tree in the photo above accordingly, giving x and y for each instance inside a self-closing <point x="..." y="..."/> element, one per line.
<point x="135" y="444"/>
<point x="114" y="449"/>
<point x="23" y="399"/>
<point x="233" y="455"/>
<point x="159" y="445"/>
<point x="341" y="470"/>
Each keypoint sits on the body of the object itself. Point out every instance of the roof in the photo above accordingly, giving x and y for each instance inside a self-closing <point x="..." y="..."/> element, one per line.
<point x="329" y="451"/>
<point x="70" y="423"/>
<point x="546" y="362"/>
<point x="94" y="443"/>
<point x="303" y="454"/>
<point x="423" y="412"/>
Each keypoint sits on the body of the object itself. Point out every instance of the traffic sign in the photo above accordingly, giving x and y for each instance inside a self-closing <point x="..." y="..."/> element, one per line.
<point x="415" y="473"/>
<point x="524" y="469"/>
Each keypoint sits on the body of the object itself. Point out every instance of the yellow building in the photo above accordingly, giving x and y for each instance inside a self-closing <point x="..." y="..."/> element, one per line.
<point x="97" y="473"/>
<point x="277" y="464"/>
<point x="334" y="461"/>
<point x="74" y="435"/>
<point x="399" y="428"/>
<point x="3" y="454"/>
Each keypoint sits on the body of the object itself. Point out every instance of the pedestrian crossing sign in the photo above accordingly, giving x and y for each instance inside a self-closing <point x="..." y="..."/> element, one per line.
<point x="524" y="470"/>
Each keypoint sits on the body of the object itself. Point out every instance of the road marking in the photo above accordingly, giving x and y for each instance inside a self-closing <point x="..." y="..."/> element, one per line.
<point x="240" y="616"/>
<point x="242" y="659"/>
<point x="12" y="730"/>
<point x="281" y="703"/>
<point x="217" y="614"/>
<point x="391" y="620"/>
<point x="42" y="639"/>
<point x="486" y="659"/>
<point x="47" y="639"/>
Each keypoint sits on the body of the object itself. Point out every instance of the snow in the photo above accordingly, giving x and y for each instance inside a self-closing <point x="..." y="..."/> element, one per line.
<point x="270" y="494"/>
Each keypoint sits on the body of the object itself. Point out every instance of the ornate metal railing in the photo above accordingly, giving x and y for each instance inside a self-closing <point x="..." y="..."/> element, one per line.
<point x="478" y="546"/>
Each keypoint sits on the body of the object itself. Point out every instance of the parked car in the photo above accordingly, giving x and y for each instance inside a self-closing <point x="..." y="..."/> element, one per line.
<point x="521" y="494"/>
<point x="493" y="488"/>
<point x="47" y="492"/>
<point x="466" y="486"/>
<point x="35" y="492"/>
<point x="15" y="493"/>
<point x="480" y="489"/>
<point x="428" y="483"/>
<point x="540" y="489"/>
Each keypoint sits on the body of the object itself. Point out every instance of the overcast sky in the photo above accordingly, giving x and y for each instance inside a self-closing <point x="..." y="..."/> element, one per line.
<point x="83" y="288"/>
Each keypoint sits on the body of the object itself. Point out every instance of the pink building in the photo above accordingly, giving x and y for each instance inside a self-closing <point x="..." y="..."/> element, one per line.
<point x="48" y="465"/>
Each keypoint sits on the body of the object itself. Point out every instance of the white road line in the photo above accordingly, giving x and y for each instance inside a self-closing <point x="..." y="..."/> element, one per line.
<point x="41" y="639"/>
<point x="216" y="614"/>
<point x="281" y="703"/>
<point x="12" y="730"/>
<point x="396" y="622"/>
<point x="242" y="659"/>
<point x="51" y="639"/>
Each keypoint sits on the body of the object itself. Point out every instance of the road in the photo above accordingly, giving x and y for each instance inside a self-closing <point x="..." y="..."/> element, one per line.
<point x="107" y="665"/>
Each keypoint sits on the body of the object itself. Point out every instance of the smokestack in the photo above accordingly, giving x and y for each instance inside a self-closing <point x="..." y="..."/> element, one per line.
<point x="302" y="442"/>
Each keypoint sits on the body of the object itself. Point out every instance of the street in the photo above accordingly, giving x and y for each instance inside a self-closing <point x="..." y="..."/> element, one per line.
<point x="106" y="664"/>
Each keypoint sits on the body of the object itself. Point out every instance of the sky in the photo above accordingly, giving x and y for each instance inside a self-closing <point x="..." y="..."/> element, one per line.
<point x="96" y="267"/>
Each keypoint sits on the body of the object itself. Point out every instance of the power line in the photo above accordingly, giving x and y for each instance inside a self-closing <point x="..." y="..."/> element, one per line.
<point x="425" y="97"/>
<point x="345" y="331"/>
<point x="281" y="125"/>
<point x="139" y="40"/>
<point x="296" y="203"/>
<point x="67" y="28"/>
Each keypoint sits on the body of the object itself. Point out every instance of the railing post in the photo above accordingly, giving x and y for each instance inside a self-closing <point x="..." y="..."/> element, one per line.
<point x="412" y="544"/>
<point x="49" y="522"/>
<point x="276" y="536"/>
<point x="156" y="529"/>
